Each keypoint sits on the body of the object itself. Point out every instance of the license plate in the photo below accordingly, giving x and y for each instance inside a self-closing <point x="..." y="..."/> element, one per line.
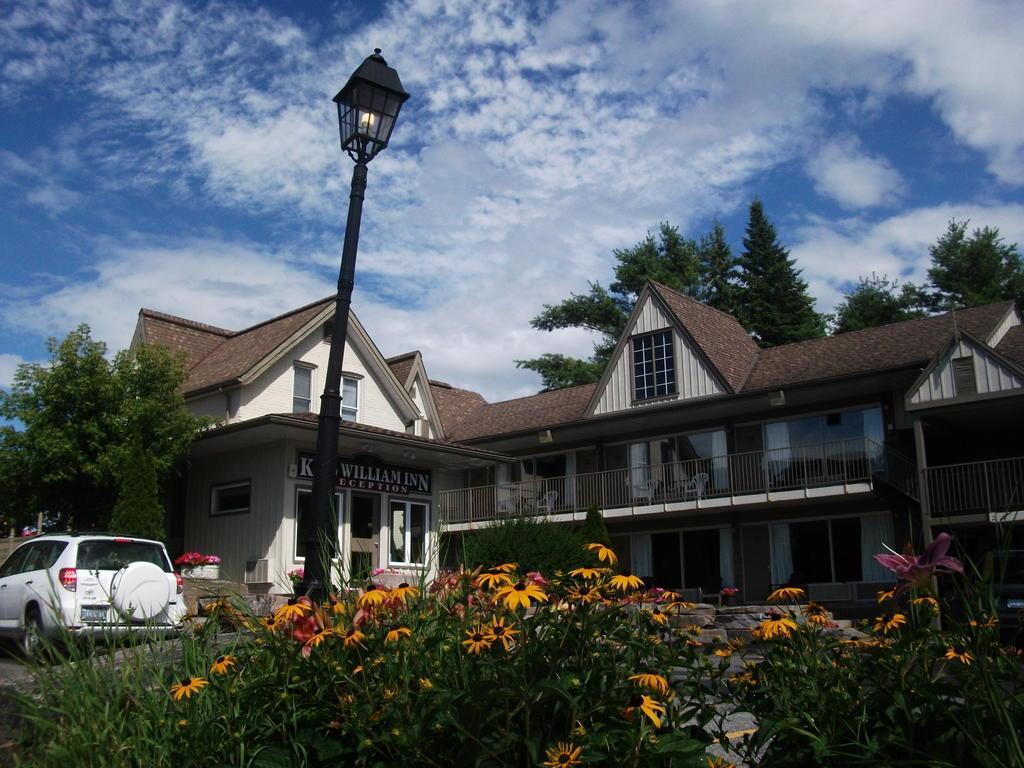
<point x="1015" y="603"/>
<point x="94" y="612"/>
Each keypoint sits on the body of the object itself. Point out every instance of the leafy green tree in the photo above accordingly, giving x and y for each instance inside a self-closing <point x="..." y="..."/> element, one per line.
<point x="670" y="259"/>
<point x="878" y="301"/>
<point x="772" y="298"/>
<point x="970" y="270"/>
<point x="138" y="511"/>
<point x="719" y="270"/>
<point x="73" y="421"/>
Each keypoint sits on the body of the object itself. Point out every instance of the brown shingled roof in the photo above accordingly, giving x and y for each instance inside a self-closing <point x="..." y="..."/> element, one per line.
<point x="227" y="362"/>
<point x="400" y="365"/>
<point x="898" y="345"/>
<point x="525" y="413"/>
<point x="1011" y="346"/>
<point x="187" y="337"/>
<point x="454" y="404"/>
<point x="719" y="335"/>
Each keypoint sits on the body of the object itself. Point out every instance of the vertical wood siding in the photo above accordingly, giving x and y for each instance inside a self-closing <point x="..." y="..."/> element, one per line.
<point x="990" y="375"/>
<point x="693" y="379"/>
<point x="1012" y="319"/>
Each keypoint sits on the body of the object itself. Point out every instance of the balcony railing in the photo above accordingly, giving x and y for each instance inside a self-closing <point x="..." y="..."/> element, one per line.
<point x="992" y="488"/>
<point x="751" y="474"/>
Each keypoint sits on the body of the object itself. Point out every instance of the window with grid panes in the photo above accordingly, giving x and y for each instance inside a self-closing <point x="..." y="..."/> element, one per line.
<point x="654" y="369"/>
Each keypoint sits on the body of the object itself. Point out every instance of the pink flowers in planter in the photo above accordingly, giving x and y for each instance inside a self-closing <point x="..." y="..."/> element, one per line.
<point x="296" y="575"/>
<point x="917" y="570"/>
<point x="196" y="559"/>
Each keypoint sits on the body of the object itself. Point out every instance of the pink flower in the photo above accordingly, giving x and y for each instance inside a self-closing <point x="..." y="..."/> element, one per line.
<point x="729" y="591"/>
<point x="917" y="571"/>
<point x="537" y="579"/>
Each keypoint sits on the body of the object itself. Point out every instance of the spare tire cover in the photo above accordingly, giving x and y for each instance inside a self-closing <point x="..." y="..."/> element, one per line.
<point x="140" y="591"/>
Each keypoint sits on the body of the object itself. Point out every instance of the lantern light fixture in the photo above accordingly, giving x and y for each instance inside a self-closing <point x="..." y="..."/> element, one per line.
<point x="368" y="108"/>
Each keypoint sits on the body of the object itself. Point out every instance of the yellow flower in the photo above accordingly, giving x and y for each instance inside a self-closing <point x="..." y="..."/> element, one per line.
<point x="604" y="554"/>
<point x="492" y="580"/>
<point x="506" y="567"/>
<point x="292" y="610"/>
<point x="718" y="762"/>
<point x="886" y="594"/>
<point x="186" y="687"/>
<point x="676" y="605"/>
<point x="669" y="597"/>
<point x="396" y="634"/>
<point x="520" y="593"/>
<point x="647" y="706"/>
<point x="221" y="665"/>
<point x="816" y="613"/>
<point x="588" y="573"/>
<point x="476" y="640"/>
<point x="585" y="596"/>
<point x="498" y="631"/>
<point x="743" y="678"/>
<point x="352" y="637"/>
<point x="988" y="623"/>
<point x="963" y="656"/>
<point x="658" y="616"/>
<point x="786" y="593"/>
<point x="774" y="626"/>
<point x="625" y="581"/>
<point x="887" y="624"/>
<point x="271" y="623"/>
<point x="653" y="682"/>
<point x="425" y="683"/>
<point x="372" y="596"/>
<point x="563" y="754"/>
<point x="926" y="600"/>
<point x="404" y="591"/>
<point x="729" y="648"/>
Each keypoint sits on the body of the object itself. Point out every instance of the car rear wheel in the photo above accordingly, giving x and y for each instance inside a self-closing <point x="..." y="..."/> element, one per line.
<point x="31" y="640"/>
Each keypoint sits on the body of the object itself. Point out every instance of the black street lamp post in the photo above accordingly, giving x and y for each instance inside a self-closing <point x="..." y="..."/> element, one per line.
<point x="368" y="108"/>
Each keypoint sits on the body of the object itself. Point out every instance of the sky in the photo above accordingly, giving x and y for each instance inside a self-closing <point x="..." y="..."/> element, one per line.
<point x="185" y="157"/>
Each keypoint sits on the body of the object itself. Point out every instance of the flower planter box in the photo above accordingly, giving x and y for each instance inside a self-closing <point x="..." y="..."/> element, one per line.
<point x="201" y="572"/>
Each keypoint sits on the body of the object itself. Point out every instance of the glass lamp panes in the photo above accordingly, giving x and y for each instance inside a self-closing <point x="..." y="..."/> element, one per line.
<point x="367" y="114"/>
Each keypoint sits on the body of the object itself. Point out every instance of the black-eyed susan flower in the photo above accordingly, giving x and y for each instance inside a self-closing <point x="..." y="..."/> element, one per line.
<point x="658" y="616"/>
<point x="294" y="609"/>
<point x="318" y="637"/>
<point x="816" y="613"/>
<point x="492" y="580"/>
<point x="405" y="591"/>
<point x="960" y="654"/>
<point x="222" y="664"/>
<point x="372" y="596"/>
<point x="787" y="594"/>
<point x="506" y="568"/>
<point x="678" y="605"/>
<point x="352" y="637"/>
<point x="563" y="755"/>
<point x="886" y="594"/>
<point x="774" y="626"/>
<point x="425" y="684"/>
<point x="624" y="582"/>
<point x="520" y="594"/>
<point x="889" y="623"/>
<point x="714" y="761"/>
<point x="476" y="640"/>
<point x="585" y="596"/>
<point x="926" y="601"/>
<point x="397" y="633"/>
<point x="744" y="678"/>
<point x="988" y="623"/>
<point x="187" y="686"/>
<point x="271" y="623"/>
<point x="588" y="574"/>
<point x="604" y="554"/>
<point x="499" y="631"/>
<point x="647" y="706"/>
<point x="650" y="681"/>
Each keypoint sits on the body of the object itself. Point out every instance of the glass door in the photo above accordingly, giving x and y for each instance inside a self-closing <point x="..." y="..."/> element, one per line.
<point x="365" y="535"/>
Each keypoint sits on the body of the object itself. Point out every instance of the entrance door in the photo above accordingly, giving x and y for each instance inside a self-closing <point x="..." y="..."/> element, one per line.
<point x="365" y="535"/>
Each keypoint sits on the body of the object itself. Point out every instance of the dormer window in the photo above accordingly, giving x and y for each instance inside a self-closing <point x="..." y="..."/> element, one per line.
<point x="302" y="388"/>
<point x="654" y="367"/>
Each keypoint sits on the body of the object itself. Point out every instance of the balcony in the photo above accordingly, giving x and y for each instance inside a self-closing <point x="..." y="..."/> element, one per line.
<point x="757" y="477"/>
<point x="979" y="490"/>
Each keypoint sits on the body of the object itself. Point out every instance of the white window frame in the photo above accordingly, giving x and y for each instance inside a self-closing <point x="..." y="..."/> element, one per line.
<point x="308" y="490"/>
<point x="215" y="511"/>
<point x="359" y="396"/>
<point x="407" y="543"/>
<point x="673" y="387"/>
<point x="296" y="366"/>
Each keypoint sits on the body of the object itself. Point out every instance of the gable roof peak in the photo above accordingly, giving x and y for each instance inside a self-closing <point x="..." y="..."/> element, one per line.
<point x="184" y="322"/>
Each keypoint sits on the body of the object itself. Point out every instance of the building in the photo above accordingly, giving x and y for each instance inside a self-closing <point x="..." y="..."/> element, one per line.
<point x="714" y="462"/>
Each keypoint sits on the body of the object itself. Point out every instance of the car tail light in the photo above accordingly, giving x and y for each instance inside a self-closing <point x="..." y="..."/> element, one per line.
<point x="68" y="579"/>
<point x="124" y="541"/>
<point x="180" y="582"/>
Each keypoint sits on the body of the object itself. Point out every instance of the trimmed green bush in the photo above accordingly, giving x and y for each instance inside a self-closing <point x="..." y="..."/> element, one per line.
<point x="138" y="511"/>
<point x="594" y="530"/>
<point x="537" y="545"/>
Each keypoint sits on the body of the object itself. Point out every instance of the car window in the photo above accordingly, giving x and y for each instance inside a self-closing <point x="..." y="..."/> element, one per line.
<point x="52" y="550"/>
<point x="12" y="565"/>
<point x="112" y="554"/>
<point x="34" y="558"/>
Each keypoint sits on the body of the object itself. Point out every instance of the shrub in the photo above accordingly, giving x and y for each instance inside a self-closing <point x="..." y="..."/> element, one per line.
<point x="594" y="529"/>
<point x="138" y="511"/>
<point x="536" y="545"/>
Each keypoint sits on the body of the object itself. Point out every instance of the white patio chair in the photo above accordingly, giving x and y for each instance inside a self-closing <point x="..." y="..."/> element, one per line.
<point x="696" y="486"/>
<point x="546" y="503"/>
<point x="643" y="489"/>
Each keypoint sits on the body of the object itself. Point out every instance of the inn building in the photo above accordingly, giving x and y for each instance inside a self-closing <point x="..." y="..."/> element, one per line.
<point x="714" y="462"/>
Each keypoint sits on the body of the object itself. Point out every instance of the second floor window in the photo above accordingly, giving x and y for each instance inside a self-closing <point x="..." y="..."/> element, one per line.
<point x="302" y="389"/>
<point x="654" y="368"/>
<point x="350" y="399"/>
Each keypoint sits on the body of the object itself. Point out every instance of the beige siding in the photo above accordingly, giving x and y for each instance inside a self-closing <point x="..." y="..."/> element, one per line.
<point x="693" y="379"/>
<point x="213" y="406"/>
<point x="271" y="392"/>
<point x="990" y="375"/>
<point x="1008" y="322"/>
<point x="241" y="537"/>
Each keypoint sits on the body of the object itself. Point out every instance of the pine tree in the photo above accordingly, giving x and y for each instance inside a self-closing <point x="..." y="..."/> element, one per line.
<point x="772" y="299"/>
<point x="980" y="269"/>
<point x="718" y="268"/>
<point x="877" y="301"/>
<point x="138" y="511"/>
<point x="594" y="531"/>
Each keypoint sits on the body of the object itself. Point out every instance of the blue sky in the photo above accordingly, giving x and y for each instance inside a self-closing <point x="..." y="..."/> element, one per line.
<point x="184" y="157"/>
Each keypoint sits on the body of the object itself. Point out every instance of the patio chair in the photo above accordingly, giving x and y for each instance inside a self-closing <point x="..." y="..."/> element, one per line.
<point x="546" y="503"/>
<point x="643" y="489"/>
<point x="696" y="486"/>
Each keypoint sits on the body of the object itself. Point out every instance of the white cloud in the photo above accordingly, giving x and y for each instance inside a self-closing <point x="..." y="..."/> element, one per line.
<point x="835" y="254"/>
<point x="854" y="179"/>
<point x="8" y="365"/>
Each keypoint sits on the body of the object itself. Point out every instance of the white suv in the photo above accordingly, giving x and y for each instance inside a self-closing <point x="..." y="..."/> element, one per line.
<point x="89" y="584"/>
